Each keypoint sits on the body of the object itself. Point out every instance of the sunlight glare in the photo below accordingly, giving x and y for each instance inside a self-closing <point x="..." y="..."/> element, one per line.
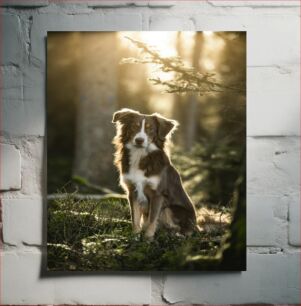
<point x="208" y="64"/>
<point x="208" y="33"/>
<point x="162" y="103"/>
<point x="162" y="40"/>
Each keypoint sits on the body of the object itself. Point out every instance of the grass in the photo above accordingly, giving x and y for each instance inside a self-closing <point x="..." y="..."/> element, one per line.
<point x="96" y="235"/>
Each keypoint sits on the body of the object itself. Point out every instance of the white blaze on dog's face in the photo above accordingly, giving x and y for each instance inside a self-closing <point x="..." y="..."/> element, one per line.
<point x="141" y="139"/>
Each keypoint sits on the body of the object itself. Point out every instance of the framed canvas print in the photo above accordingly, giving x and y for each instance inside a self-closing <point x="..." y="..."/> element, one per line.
<point x="146" y="151"/>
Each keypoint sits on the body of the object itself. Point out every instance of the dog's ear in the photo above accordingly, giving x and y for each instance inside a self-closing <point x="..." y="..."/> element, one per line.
<point x="121" y="114"/>
<point x="165" y="126"/>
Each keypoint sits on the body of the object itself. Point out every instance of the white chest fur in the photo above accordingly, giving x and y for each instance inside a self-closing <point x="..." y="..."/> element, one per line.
<point x="137" y="177"/>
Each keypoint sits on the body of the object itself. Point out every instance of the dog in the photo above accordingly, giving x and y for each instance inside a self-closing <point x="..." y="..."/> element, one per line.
<point x="152" y="184"/>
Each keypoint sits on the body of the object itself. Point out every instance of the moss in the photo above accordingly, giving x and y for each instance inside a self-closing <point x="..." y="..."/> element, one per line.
<point x="91" y="235"/>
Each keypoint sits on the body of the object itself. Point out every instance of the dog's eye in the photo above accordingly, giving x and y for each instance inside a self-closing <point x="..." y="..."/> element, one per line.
<point x="136" y="125"/>
<point x="149" y="127"/>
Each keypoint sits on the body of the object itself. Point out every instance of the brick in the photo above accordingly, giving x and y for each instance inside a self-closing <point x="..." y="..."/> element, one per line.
<point x="22" y="221"/>
<point x="12" y="46"/>
<point x="12" y="100"/>
<point x="273" y="33"/>
<point x="268" y="215"/>
<point x="33" y="166"/>
<point x="105" y="4"/>
<point x="294" y="220"/>
<point x="22" y="279"/>
<point x="34" y="102"/>
<point x="154" y="3"/>
<point x="140" y="3"/>
<point x="268" y="279"/>
<point x="22" y="115"/>
<point x="23" y="101"/>
<point x="258" y="4"/>
<point x="22" y="284"/>
<point x="157" y="284"/>
<point x="11" y="77"/>
<point x="10" y="167"/>
<point x="260" y="219"/>
<point x="67" y="7"/>
<point x="126" y="22"/>
<point x="273" y="165"/>
<point x="277" y="89"/>
<point x="109" y="4"/>
<point x="170" y="23"/>
<point x="24" y="3"/>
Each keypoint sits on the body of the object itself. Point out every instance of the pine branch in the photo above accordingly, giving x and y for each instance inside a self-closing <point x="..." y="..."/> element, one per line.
<point x="187" y="79"/>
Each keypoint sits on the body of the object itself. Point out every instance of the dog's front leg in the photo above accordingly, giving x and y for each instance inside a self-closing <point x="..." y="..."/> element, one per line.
<point x="136" y="212"/>
<point x="136" y="217"/>
<point x="155" y="207"/>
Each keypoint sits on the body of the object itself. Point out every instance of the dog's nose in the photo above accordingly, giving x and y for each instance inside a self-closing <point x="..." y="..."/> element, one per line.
<point x="139" y="141"/>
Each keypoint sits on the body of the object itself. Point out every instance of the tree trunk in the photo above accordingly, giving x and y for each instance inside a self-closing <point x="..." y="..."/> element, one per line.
<point x="235" y="246"/>
<point x="96" y="103"/>
<point x="179" y="103"/>
<point x="192" y="103"/>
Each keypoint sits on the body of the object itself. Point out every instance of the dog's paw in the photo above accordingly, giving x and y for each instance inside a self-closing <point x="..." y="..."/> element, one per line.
<point x="149" y="238"/>
<point x="149" y="235"/>
<point x="137" y="230"/>
<point x="145" y="225"/>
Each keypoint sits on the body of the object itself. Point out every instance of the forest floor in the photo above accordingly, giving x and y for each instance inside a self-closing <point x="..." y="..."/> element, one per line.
<point x="96" y="235"/>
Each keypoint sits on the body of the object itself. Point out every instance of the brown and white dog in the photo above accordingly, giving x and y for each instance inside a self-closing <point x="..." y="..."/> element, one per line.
<point x="153" y="185"/>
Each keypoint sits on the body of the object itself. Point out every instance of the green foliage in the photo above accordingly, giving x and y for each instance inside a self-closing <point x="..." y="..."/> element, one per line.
<point x="89" y="235"/>
<point x="209" y="171"/>
<point x="234" y="245"/>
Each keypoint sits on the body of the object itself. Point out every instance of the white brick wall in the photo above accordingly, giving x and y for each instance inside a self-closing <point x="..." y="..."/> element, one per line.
<point x="10" y="172"/>
<point x="21" y="214"/>
<point x="13" y="47"/>
<point x="273" y="151"/>
<point x="271" y="278"/>
<point x="294" y="220"/>
<point x="23" y="284"/>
